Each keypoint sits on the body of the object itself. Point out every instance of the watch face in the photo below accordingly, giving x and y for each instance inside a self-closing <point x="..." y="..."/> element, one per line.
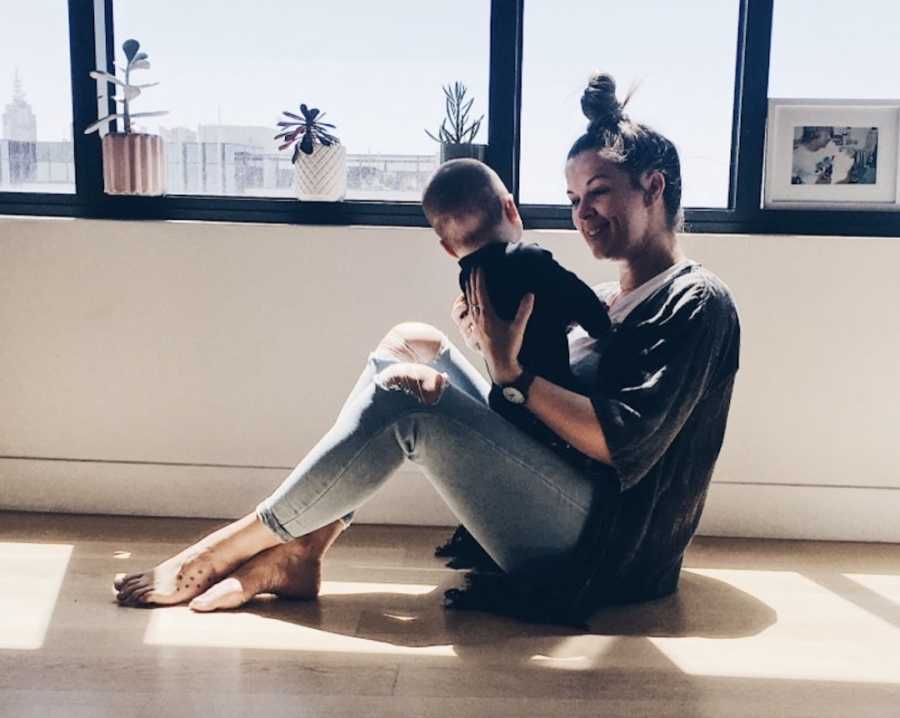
<point x="513" y="395"/>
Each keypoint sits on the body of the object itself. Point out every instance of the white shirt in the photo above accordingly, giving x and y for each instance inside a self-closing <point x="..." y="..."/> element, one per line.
<point x="622" y="307"/>
<point x="583" y="349"/>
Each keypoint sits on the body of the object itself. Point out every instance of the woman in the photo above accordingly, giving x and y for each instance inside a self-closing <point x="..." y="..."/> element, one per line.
<point x="601" y="515"/>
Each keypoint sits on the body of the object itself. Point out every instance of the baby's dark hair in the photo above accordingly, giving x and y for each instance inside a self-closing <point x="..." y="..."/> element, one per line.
<point x="636" y="148"/>
<point x="464" y="189"/>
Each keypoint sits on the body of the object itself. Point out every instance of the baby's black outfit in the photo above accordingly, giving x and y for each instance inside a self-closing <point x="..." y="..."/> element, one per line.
<point x="512" y="270"/>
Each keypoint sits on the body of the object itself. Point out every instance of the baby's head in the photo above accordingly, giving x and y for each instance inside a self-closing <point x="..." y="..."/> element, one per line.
<point x="468" y="206"/>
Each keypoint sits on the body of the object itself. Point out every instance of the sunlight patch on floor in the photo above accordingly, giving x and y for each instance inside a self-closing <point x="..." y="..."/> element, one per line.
<point x="818" y="635"/>
<point x="31" y="576"/>
<point x="344" y="588"/>
<point x="180" y="626"/>
<point x="885" y="585"/>
<point x="578" y="653"/>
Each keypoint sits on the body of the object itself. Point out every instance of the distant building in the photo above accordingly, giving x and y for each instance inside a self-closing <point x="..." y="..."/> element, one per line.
<point x="19" y="122"/>
<point x="18" y="153"/>
<point x="177" y="135"/>
<point x="214" y="160"/>
<point x="246" y="135"/>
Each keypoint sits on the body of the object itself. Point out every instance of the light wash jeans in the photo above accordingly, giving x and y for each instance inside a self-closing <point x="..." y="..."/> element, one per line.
<point x="523" y="503"/>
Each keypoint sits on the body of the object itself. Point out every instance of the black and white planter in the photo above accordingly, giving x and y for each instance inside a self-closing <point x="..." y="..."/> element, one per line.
<point x="321" y="176"/>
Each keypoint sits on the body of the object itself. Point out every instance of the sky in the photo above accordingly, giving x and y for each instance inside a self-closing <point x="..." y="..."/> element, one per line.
<point x="377" y="68"/>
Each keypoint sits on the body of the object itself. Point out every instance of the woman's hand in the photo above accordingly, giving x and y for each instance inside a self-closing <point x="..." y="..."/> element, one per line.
<point x="423" y="382"/>
<point x="500" y="340"/>
<point x="461" y="316"/>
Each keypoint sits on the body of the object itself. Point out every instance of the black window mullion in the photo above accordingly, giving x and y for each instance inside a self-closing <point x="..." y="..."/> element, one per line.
<point x="83" y="59"/>
<point x="505" y="91"/>
<point x="109" y="52"/>
<point x="751" y="90"/>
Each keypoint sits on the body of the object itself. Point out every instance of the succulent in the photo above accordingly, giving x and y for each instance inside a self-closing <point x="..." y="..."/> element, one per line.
<point x="309" y="129"/>
<point x="457" y="108"/>
<point x="134" y="61"/>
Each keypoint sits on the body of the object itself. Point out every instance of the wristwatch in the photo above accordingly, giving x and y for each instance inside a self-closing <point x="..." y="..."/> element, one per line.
<point x="517" y="392"/>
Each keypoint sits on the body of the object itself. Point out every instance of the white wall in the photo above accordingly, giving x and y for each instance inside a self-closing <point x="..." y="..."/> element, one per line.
<point x="182" y="368"/>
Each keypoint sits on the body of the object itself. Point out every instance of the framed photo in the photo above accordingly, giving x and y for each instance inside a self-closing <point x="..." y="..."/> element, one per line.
<point x="832" y="154"/>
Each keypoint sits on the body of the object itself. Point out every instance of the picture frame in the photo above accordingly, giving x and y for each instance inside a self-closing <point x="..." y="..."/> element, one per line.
<point x="832" y="154"/>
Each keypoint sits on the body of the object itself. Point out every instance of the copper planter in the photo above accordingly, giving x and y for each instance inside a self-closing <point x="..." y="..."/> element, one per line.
<point x="134" y="164"/>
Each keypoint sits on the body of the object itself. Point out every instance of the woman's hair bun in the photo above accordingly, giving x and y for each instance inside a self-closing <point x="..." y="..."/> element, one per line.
<point x="599" y="103"/>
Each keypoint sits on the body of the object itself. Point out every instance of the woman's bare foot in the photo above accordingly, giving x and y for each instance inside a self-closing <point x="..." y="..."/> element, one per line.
<point x="195" y="569"/>
<point x="290" y="570"/>
<point x="283" y="570"/>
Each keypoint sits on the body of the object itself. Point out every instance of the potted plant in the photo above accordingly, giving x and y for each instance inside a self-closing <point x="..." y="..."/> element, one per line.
<point x="133" y="162"/>
<point x="457" y="139"/>
<point x="320" y="160"/>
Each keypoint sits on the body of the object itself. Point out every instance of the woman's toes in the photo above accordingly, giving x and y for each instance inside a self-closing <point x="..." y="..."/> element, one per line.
<point x="127" y="598"/>
<point x="130" y="587"/>
<point x="136" y="581"/>
<point x="227" y="593"/>
<point x="138" y="597"/>
<point x="123" y="578"/>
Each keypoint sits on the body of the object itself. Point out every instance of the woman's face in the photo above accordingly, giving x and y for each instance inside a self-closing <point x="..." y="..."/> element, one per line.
<point x="609" y="211"/>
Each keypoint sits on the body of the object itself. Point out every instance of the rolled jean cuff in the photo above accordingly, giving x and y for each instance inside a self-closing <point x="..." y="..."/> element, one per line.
<point x="267" y="516"/>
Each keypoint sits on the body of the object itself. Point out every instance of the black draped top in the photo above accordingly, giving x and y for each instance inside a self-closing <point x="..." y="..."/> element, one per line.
<point x="660" y="383"/>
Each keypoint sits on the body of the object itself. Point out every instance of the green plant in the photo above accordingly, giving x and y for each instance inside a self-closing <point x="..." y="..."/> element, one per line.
<point x="457" y="109"/>
<point x="309" y="129"/>
<point x="134" y="61"/>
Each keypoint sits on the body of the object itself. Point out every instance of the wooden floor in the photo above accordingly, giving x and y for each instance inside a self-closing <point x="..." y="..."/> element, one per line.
<point x="759" y="628"/>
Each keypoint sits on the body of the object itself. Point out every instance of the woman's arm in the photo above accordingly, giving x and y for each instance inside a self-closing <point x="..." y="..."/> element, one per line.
<point x="570" y="415"/>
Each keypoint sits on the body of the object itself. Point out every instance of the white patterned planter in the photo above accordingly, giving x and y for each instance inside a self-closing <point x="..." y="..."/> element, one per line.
<point x="321" y="176"/>
<point x="134" y="163"/>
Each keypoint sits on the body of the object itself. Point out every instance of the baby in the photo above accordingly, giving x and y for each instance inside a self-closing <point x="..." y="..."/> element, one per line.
<point x="477" y="221"/>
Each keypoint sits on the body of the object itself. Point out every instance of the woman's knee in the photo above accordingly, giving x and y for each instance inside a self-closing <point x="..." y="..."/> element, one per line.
<point x="414" y="342"/>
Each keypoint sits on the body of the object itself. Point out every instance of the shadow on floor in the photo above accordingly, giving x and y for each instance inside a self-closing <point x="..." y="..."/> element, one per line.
<point x="703" y="607"/>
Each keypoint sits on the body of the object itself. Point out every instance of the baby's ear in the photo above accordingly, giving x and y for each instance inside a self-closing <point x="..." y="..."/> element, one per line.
<point x="510" y="209"/>
<point x="447" y="248"/>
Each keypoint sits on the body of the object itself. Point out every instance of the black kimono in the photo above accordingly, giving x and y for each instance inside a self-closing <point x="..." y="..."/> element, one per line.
<point x="661" y="387"/>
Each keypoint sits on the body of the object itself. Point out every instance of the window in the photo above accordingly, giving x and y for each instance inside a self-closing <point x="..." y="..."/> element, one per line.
<point x="228" y="70"/>
<point x="35" y="99"/>
<point x="835" y="49"/>
<point x="680" y="56"/>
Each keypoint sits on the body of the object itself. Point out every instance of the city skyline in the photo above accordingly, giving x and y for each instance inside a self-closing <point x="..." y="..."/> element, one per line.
<point x="217" y="159"/>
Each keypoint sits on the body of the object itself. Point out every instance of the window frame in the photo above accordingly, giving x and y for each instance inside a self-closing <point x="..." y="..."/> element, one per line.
<point x="90" y="19"/>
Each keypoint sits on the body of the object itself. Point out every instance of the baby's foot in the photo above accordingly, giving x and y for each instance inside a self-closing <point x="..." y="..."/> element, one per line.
<point x="175" y="580"/>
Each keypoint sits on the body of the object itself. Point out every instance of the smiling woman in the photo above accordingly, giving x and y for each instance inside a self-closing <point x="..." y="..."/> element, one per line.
<point x="624" y="184"/>
<point x="596" y="510"/>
